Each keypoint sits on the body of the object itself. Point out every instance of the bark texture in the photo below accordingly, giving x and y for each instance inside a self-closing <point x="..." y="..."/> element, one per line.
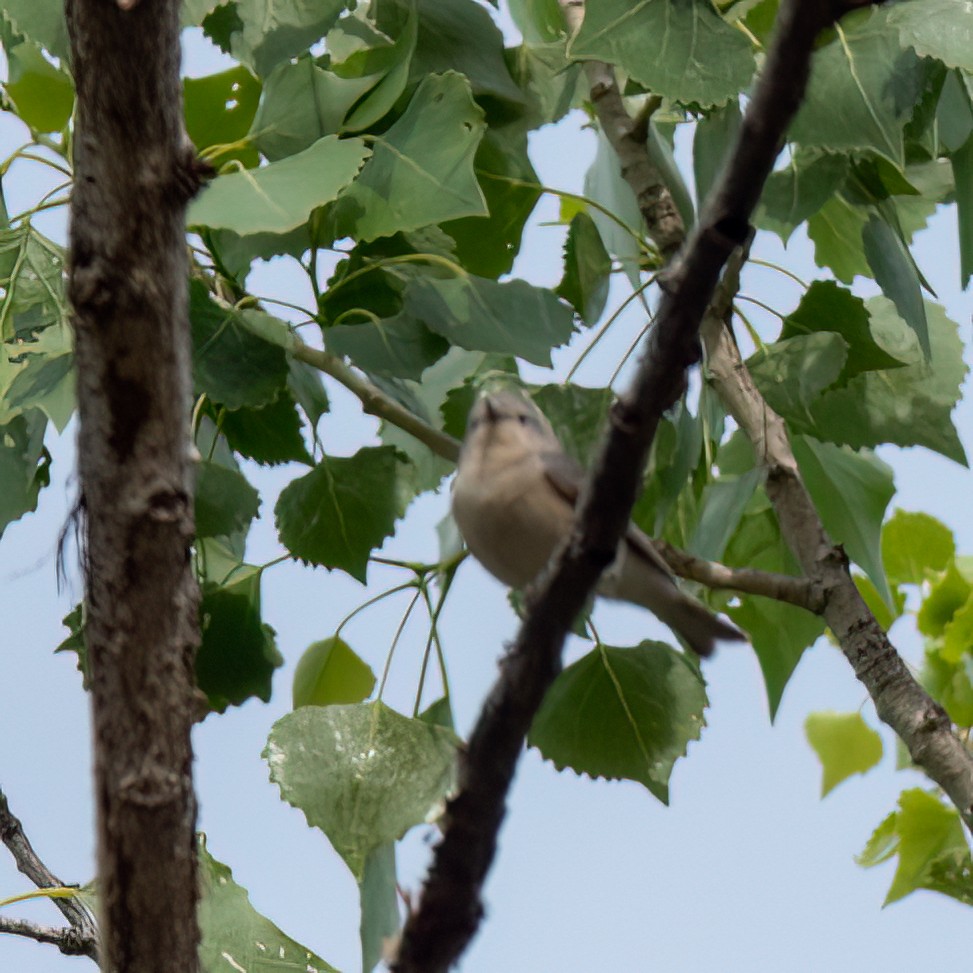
<point x="134" y="173"/>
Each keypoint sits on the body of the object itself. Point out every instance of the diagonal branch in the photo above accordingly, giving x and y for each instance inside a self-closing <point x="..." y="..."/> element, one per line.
<point x="450" y="908"/>
<point x="81" y="936"/>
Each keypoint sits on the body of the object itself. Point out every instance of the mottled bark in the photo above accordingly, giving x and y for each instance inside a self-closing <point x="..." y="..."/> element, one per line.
<point x="134" y="172"/>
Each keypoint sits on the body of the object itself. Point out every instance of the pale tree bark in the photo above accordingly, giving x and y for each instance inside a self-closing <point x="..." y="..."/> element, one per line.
<point x="134" y="173"/>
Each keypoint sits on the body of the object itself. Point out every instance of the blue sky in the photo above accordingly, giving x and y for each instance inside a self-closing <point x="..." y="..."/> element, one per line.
<point x="747" y="870"/>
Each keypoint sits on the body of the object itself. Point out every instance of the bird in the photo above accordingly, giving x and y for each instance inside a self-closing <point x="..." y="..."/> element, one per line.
<point x="513" y="501"/>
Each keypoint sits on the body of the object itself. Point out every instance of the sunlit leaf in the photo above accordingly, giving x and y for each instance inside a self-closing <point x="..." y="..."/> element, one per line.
<point x="845" y="745"/>
<point x="330" y="671"/>
<point x="237" y="937"/>
<point x="363" y="774"/>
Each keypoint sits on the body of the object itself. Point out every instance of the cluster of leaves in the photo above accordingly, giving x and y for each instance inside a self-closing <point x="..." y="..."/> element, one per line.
<point x="933" y="586"/>
<point x="390" y="142"/>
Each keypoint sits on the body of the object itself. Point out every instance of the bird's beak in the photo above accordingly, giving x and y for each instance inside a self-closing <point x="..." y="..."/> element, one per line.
<point x="489" y="407"/>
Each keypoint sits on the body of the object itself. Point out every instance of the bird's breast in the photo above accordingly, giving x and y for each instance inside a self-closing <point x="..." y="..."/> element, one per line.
<point x="510" y="516"/>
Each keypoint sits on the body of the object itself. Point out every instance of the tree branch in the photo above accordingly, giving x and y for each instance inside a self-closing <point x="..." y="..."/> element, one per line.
<point x="81" y="937"/>
<point x="450" y="908"/>
<point x="782" y="587"/>
<point x="68" y="939"/>
<point x="375" y="402"/>
<point x="628" y="137"/>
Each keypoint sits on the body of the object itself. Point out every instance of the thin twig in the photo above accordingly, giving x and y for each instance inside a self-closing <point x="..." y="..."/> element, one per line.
<point x="375" y="402"/>
<point x="781" y="587"/>
<point x="68" y="939"/>
<point x="83" y="931"/>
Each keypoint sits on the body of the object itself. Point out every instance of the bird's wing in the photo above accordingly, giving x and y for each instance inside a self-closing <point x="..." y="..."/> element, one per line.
<point x="566" y="476"/>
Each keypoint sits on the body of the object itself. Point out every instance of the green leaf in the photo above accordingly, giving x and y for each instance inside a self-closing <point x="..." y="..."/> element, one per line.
<point x="262" y="33"/>
<point x="722" y="505"/>
<point x="421" y="169"/>
<point x="908" y="406"/>
<point x="623" y="713"/>
<point x="512" y="317"/>
<point x="32" y="277"/>
<point x="231" y="364"/>
<point x="681" y="49"/>
<point x="336" y="514"/>
<point x="921" y="832"/>
<point x="401" y="346"/>
<point x="538" y="20"/>
<point x="550" y="82"/>
<point x="379" y="897"/>
<point x="439" y="713"/>
<point x="836" y="232"/>
<point x="363" y="774"/>
<point x="603" y="184"/>
<point x="795" y="193"/>
<point x="946" y="597"/>
<point x="845" y="745"/>
<point x="46" y="382"/>
<point x="42" y="22"/>
<point x="826" y="306"/>
<point x="915" y="545"/>
<point x="456" y="35"/>
<point x="375" y="59"/>
<point x="42" y="93"/>
<point x="952" y="874"/>
<point x="74" y="622"/>
<point x="936" y="28"/>
<point x="951" y="684"/>
<point x="587" y="267"/>
<point x="225" y="501"/>
<point x="24" y="465"/>
<point x="235" y="936"/>
<point x="778" y="632"/>
<point x="269" y="435"/>
<point x="895" y="272"/>
<point x="237" y="655"/>
<point x="884" y="613"/>
<point x="792" y="373"/>
<point x="329" y="672"/>
<point x="675" y="454"/>
<point x="851" y="492"/>
<point x="487" y="245"/>
<point x="715" y="135"/>
<point x="578" y="416"/>
<point x="280" y="196"/>
<point x="962" y="162"/>
<point x="862" y="90"/>
<point x="958" y="634"/>
<point x="219" y="110"/>
<point x="304" y="383"/>
<point x="303" y="102"/>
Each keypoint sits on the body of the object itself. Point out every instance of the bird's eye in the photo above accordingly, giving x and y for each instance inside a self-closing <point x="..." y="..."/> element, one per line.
<point x="522" y="419"/>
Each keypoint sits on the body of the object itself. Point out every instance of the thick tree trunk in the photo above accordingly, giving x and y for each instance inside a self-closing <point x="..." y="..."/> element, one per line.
<point x="134" y="173"/>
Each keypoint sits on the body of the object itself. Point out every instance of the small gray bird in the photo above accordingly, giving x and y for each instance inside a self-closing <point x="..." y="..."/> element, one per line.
<point x="514" y="499"/>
